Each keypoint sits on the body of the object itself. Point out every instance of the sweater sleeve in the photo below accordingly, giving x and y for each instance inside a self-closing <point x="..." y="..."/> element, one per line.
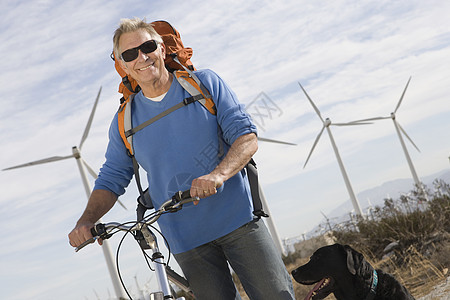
<point x="117" y="170"/>
<point x="234" y="121"/>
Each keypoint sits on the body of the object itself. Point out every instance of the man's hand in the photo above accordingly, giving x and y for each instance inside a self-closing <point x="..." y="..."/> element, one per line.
<point x="206" y="185"/>
<point x="239" y="154"/>
<point x="80" y="234"/>
<point x="99" y="204"/>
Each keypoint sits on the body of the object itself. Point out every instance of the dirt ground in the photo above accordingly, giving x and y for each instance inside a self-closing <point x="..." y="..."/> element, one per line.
<point x="440" y="291"/>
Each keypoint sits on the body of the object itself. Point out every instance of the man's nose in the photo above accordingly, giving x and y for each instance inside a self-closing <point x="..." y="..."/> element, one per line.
<point x="142" y="55"/>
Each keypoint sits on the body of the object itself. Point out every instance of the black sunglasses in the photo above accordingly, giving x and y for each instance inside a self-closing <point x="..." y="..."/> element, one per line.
<point x="146" y="47"/>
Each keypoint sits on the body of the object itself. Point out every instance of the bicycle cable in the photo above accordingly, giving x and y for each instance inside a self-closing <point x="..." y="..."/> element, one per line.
<point x="146" y="256"/>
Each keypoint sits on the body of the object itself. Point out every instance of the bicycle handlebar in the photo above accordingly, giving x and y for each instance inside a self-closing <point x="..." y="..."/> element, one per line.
<point x="103" y="230"/>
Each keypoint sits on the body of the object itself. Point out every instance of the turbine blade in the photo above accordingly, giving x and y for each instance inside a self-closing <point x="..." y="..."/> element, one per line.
<point x="314" y="146"/>
<point x="351" y="123"/>
<point x="312" y="103"/>
<point x="38" y="162"/>
<point x="121" y="204"/>
<point x="89" y="123"/>
<point x="407" y="136"/>
<point x="94" y="174"/>
<point x="323" y="215"/>
<point x="403" y="94"/>
<point x="370" y="119"/>
<point x="90" y="170"/>
<point x="275" y="141"/>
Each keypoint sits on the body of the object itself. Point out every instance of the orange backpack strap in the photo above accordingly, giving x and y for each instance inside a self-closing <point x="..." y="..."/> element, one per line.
<point x="124" y="122"/>
<point x="190" y="82"/>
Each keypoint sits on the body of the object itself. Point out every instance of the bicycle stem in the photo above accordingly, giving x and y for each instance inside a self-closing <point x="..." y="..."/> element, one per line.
<point x="158" y="259"/>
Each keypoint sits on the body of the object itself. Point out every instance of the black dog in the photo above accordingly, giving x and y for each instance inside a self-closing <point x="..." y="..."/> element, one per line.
<point x="343" y="271"/>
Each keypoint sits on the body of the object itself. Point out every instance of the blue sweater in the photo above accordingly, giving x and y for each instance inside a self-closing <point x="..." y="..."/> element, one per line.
<point x="177" y="149"/>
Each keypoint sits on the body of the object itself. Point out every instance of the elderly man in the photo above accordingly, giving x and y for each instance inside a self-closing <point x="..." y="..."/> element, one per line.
<point x="221" y="228"/>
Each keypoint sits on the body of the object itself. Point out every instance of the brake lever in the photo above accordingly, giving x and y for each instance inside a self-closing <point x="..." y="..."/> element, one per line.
<point x="98" y="231"/>
<point x="85" y="243"/>
<point x="178" y="201"/>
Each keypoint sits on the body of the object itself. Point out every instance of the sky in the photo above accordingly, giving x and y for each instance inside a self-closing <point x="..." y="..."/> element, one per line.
<point x="353" y="58"/>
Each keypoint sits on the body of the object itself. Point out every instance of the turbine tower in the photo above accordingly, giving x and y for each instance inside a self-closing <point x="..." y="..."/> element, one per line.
<point x="82" y="166"/>
<point x="326" y="125"/>
<point x="400" y="131"/>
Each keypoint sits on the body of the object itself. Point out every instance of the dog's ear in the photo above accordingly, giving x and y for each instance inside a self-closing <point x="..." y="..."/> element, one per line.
<point x="350" y="260"/>
<point x="356" y="264"/>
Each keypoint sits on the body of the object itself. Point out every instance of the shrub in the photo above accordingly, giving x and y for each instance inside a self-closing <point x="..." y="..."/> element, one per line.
<point x="409" y="221"/>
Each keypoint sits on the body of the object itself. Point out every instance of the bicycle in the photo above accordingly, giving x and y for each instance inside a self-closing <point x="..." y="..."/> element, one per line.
<point x="142" y="232"/>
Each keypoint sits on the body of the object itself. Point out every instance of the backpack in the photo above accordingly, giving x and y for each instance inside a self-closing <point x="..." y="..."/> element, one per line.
<point x="178" y="62"/>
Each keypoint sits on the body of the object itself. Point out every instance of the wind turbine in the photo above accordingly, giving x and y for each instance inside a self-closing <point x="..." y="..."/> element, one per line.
<point x="82" y="166"/>
<point x="399" y="129"/>
<point x="326" y="125"/>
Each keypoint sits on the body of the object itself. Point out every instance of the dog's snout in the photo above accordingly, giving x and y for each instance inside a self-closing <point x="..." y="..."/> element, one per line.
<point x="295" y="274"/>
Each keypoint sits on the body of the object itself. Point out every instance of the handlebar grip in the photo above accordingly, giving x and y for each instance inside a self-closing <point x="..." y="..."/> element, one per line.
<point x="178" y="199"/>
<point x="94" y="231"/>
<point x="186" y="194"/>
<point x="98" y="230"/>
<point x="180" y="196"/>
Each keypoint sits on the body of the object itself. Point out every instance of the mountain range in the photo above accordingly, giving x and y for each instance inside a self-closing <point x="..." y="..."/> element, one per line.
<point x="375" y="197"/>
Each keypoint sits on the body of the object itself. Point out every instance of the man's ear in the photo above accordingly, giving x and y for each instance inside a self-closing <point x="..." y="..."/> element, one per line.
<point x="123" y="66"/>
<point x="163" y="50"/>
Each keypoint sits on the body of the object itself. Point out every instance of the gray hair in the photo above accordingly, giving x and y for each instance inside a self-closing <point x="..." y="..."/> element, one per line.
<point x="131" y="25"/>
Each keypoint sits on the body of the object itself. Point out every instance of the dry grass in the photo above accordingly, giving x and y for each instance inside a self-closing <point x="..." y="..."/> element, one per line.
<point x="419" y="274"/>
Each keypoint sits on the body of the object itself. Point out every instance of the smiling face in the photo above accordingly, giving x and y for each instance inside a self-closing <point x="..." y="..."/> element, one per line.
<point x="147" y="69"/>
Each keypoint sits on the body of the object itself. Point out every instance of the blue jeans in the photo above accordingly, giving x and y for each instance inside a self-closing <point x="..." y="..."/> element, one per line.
<point x="254" y="258"/>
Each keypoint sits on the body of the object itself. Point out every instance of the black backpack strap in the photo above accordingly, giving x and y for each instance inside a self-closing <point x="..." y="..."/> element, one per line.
<point x="161" y="115"/>
<point x="252" y="174"/>
<point x="144" y="199"/>
<point x="143" y="204"/>
<point x="126" y="82"/>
